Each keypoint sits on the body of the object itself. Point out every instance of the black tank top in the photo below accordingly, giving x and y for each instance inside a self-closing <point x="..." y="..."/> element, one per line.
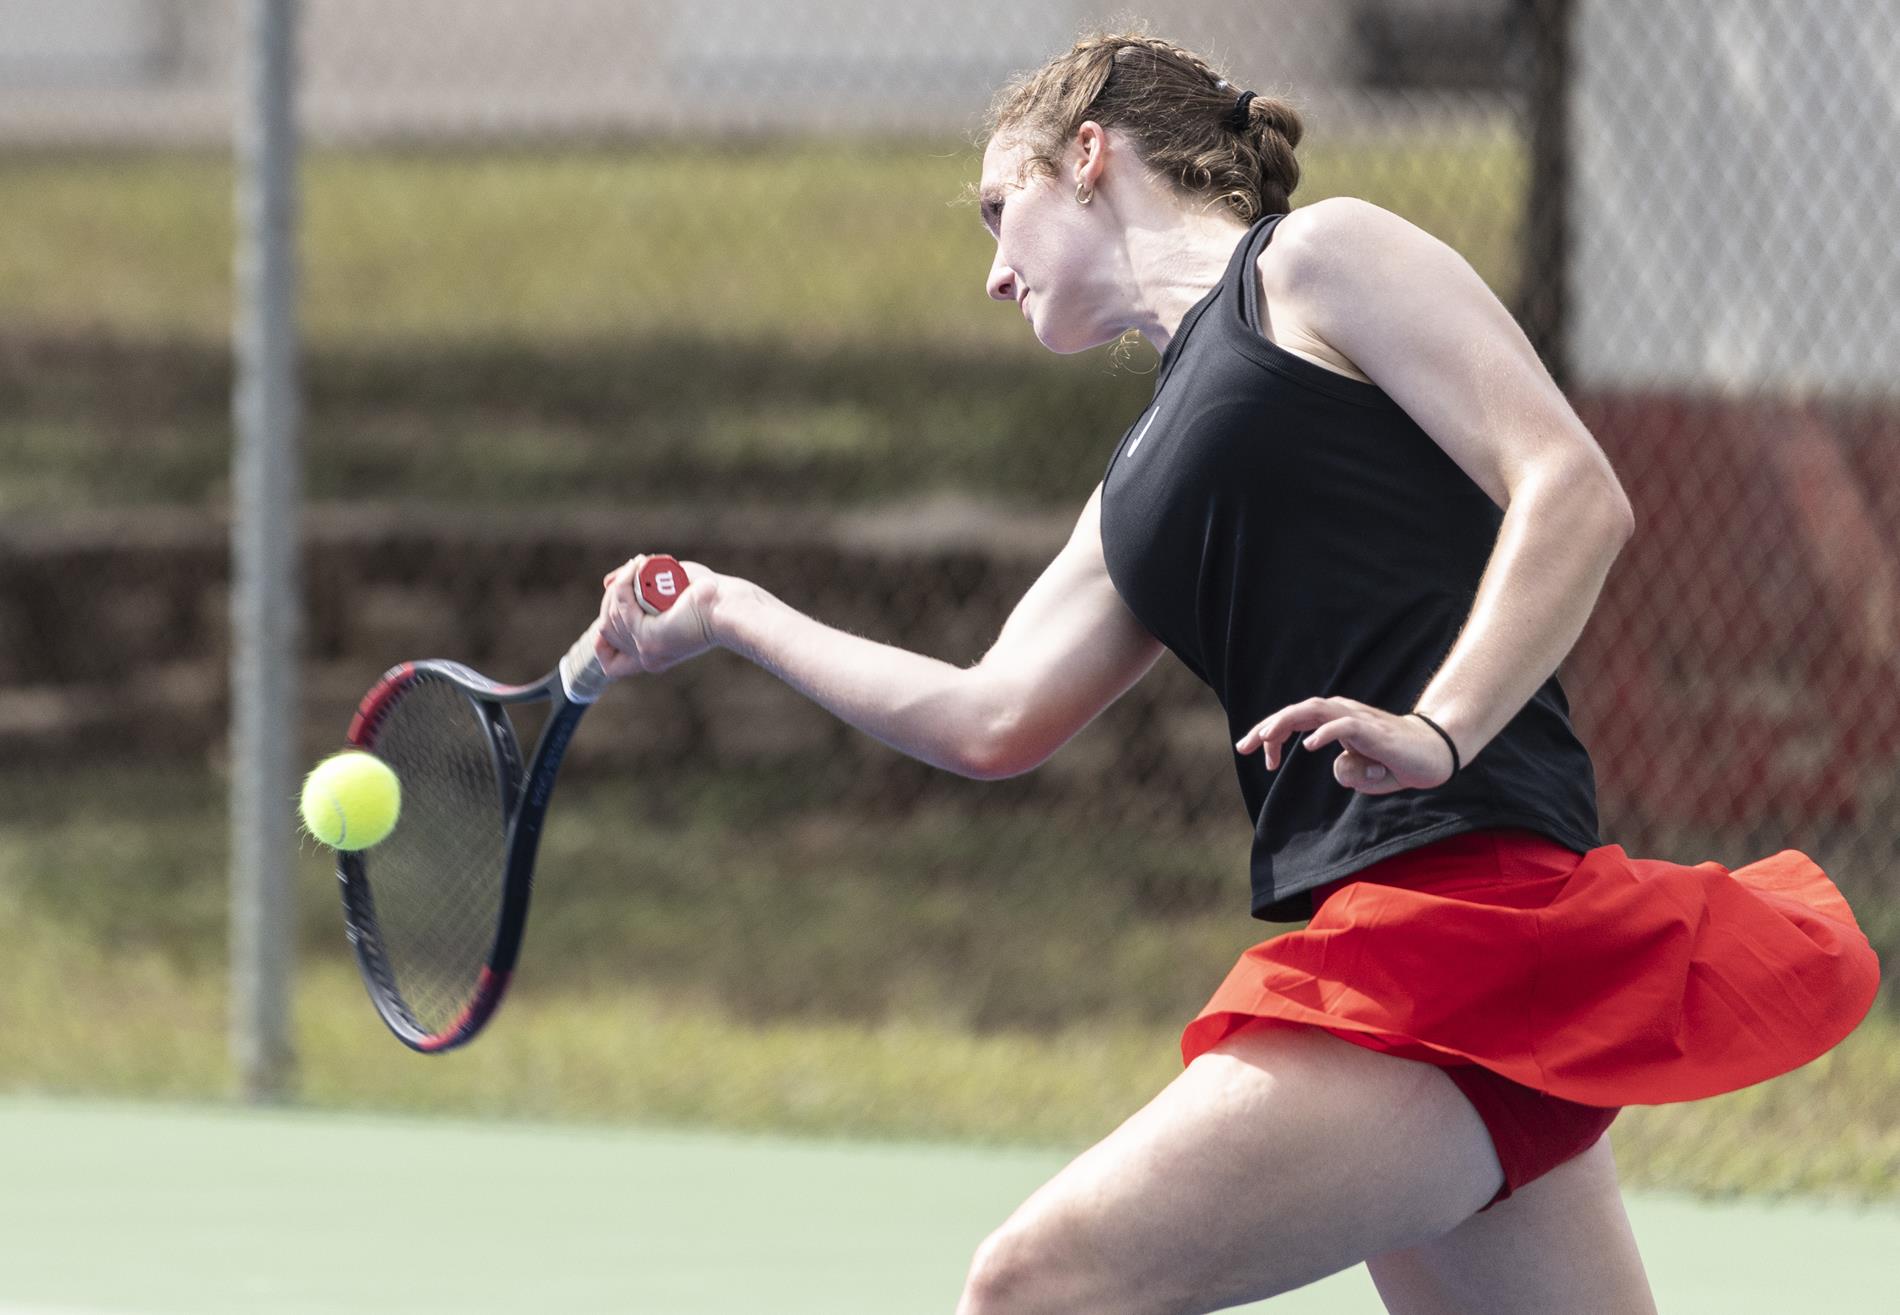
<point x="1289" y="532"/>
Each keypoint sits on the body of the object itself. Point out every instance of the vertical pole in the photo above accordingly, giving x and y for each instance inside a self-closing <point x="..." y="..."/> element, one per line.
<point x="1544" y="302"/>
<point x="265" y="493"/>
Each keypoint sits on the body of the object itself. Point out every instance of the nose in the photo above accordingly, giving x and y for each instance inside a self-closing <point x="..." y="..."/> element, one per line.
<point x="1002" y="281"/>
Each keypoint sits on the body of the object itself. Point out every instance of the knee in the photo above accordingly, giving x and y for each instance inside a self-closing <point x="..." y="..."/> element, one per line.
<point x="1017" y="1269"/>
<point x="1020" y="1268"/>
<point x="1001" y="1275"/>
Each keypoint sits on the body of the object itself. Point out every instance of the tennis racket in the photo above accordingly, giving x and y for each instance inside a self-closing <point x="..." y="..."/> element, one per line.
<point x="436" y="911"/>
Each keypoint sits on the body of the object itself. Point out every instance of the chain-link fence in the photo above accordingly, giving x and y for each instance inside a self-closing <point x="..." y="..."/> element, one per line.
<point x="585" y="278"/>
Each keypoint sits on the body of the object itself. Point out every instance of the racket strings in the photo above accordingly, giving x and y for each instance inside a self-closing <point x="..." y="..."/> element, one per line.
<point x="436" y="882"/>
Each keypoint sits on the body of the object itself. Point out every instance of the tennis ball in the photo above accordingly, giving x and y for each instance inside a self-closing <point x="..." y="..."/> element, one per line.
<point x="351" y="799"/>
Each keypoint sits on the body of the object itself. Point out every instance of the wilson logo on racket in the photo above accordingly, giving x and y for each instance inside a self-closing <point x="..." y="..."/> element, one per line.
<point x="656" y="583"/>
<point x="435" y="913"/>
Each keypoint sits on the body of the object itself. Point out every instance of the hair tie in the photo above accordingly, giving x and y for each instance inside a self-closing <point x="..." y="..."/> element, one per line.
<point x="1237" y="117"/>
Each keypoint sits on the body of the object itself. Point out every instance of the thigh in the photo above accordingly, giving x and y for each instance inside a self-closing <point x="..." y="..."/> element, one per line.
<point x="1561" y="1245"/>
<point x="1280" y="1156"/>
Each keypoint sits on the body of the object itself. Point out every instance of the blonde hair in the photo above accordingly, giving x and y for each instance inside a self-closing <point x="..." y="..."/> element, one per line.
<point x="1175" y="108"/>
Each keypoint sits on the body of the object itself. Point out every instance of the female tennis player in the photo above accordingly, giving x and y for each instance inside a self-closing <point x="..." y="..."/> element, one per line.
<point x="1361" y="511"/>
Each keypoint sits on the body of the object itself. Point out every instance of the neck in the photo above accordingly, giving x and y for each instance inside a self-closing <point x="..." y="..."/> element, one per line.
<point x="1173" y="266"/>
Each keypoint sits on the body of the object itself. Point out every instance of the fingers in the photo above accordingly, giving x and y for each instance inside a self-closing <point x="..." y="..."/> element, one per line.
<point x="1356" y="771"/>
<point x="618" y="611"/>
<point x="1338" y="729"/>
<point x="623" y="572"/>
<point x="1318" y="722"/>
<point x="1308" y="715"/>
<point x="613" y="663"/>
<point x="615" y="635"/>
<point x="1354" y="766"/>
<point x="617" y="596"/>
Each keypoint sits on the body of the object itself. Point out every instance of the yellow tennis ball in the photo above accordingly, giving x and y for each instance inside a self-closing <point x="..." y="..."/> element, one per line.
<point x="351" y="799"/>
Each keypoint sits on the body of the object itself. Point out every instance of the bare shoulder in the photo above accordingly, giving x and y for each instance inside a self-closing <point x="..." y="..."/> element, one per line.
<point x="1340" y="238"/>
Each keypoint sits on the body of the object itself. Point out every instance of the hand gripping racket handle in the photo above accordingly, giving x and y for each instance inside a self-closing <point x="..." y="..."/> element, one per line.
<point x="657" y="582"/>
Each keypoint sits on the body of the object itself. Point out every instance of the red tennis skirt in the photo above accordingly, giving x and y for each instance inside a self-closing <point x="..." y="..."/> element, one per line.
<point x="1596" y="978"/>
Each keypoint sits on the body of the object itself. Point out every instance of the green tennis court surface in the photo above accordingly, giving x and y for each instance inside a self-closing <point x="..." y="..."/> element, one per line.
<point x="129" y="1210"/>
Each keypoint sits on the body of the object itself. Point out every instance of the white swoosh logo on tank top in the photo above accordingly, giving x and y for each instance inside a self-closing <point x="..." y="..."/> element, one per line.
<point x="1143" y="434"/>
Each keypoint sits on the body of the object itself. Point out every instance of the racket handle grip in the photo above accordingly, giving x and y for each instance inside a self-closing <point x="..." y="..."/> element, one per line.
<point x="583" y="679"/>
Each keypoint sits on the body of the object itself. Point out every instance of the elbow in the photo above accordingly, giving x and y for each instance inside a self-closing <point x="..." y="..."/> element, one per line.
<point x="1617" y="511"/>
<point x="994" y="758"/>
<point x="1591" y="506"/>
<point x="1582" y="495"/>
<point x="1002" y="749"/>
<point x="1623" y="517"/>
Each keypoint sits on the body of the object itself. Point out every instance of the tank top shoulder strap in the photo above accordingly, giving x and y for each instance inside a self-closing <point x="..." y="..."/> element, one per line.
<point x="1248" y="289"/>
<point x="1233" y="283"/>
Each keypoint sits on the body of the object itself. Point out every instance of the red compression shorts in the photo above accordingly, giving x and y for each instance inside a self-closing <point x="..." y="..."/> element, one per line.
<point x="1532" y="1133"/>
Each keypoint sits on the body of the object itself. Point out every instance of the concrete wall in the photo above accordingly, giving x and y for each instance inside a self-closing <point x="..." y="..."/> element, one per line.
<point x="140" y="667"/>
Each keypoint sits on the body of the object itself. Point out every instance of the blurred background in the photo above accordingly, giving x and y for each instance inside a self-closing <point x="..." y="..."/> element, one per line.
<point x="577" y="279"/>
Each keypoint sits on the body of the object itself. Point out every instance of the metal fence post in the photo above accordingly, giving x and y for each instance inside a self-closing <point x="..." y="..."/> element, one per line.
<point x="1544" y="303"/>
<point x="265" y="484"/>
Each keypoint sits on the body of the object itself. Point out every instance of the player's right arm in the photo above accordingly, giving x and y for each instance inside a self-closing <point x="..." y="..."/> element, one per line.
<point x="1068" y="650"/>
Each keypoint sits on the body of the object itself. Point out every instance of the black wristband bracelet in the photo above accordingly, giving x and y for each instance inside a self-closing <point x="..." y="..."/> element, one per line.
<point x="1455" y="764"/>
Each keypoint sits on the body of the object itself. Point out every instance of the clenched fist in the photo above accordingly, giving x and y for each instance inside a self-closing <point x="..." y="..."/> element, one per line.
<point x="652" y="643"/>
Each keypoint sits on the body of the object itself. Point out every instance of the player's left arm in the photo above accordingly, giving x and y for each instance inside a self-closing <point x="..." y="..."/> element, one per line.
<point x="1356" y="282"/>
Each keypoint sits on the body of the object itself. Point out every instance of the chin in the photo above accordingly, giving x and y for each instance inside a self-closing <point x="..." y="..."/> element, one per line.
<point x="1066" y="341"/>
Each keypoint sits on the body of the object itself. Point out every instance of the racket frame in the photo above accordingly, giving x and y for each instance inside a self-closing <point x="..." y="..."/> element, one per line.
<point x="523" y="797"/>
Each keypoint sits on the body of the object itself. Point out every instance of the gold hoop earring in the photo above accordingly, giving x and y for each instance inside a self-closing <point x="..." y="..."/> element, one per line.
<point x="1083" y="193"/>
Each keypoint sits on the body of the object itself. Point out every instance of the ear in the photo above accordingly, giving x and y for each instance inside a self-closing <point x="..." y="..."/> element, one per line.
<point x="1090" y="152"/>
